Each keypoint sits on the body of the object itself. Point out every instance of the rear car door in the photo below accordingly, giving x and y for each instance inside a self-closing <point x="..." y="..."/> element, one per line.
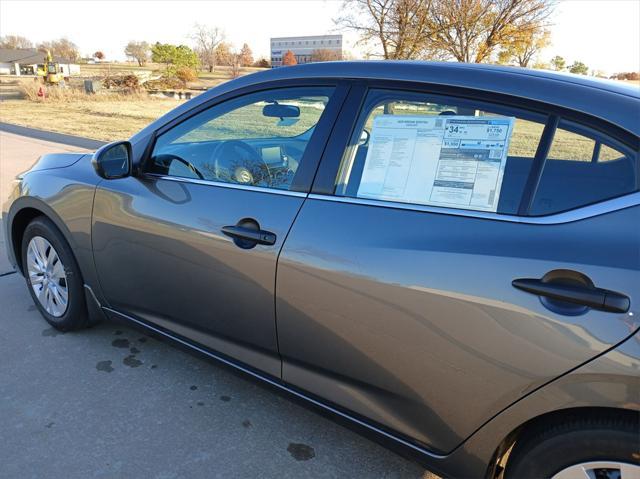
<point x="190" y="242"/>
<point x="447" y="261"/>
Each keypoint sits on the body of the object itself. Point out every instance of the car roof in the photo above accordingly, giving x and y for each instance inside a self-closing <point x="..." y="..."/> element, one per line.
<point x="607" y="100"/>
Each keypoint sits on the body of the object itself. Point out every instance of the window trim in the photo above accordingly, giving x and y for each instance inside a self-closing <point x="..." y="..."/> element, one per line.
<point x="611" y="205"/>
<point x="312" y="156"/>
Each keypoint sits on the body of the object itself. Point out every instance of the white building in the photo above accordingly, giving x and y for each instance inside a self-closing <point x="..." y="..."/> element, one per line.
<point x="303" y="47"/>
<point x="23" y="61"/>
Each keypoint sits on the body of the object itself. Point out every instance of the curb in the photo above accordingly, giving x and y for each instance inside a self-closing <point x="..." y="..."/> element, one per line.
<point x="52" y="136"/>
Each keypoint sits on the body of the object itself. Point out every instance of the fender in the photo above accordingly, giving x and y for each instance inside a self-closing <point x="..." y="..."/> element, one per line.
<point x="608" y="381"/>
<point x="72" y="218"/>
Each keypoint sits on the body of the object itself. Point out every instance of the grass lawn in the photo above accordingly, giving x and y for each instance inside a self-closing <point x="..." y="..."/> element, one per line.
<point x="108" y="120"/>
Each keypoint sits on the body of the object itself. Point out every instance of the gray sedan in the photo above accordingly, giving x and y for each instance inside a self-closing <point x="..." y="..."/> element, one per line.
<point x="443" y="256"/>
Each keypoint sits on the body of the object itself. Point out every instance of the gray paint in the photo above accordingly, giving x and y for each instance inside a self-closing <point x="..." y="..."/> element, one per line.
<point x="373" y="301"/>
<point x="367" y="313"/>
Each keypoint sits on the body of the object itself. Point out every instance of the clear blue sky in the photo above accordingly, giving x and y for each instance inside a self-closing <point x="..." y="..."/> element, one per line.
<point x="604" y="34"/>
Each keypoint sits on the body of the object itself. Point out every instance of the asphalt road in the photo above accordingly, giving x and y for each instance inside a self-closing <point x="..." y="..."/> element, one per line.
<point x="113" y="402"/>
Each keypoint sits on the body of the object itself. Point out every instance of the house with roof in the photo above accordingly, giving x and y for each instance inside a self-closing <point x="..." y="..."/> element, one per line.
<point x="25" y="61"/>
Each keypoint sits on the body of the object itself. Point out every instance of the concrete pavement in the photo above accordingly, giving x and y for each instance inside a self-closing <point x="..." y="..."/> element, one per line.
<point x="111" y="402"/>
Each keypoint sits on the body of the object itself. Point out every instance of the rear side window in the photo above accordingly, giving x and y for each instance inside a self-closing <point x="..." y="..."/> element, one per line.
<point x="431" y="150"/>
<point x="583" y="167"/>
<point x="423" y="149"/>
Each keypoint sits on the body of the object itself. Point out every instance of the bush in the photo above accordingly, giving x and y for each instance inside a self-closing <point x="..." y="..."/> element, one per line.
<point x="186" y="74"/>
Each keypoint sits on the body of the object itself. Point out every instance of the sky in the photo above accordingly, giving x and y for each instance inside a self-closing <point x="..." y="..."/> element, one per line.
<point x="604" y="34"/>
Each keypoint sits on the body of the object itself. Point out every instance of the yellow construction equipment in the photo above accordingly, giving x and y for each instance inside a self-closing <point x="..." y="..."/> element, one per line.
<point x="49" y="71"/>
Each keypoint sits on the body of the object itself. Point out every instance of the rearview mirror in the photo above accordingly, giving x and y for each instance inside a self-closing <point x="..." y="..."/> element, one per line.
<point x="113" y="160"/>
<point x="276" y="110"/>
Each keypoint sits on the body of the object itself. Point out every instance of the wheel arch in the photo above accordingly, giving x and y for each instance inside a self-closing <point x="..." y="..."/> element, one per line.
<point x="23" y="211"/>
<point x="549" y="419"/>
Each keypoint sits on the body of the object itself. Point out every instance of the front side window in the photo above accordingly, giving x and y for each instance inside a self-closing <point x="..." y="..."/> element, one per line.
<point x="256" y="140"/>
<point x="428" y="150"/>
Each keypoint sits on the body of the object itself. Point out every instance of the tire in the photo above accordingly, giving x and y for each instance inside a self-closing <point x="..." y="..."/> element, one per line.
<point x="608" y="442"/>
<point x="46" y="241"/>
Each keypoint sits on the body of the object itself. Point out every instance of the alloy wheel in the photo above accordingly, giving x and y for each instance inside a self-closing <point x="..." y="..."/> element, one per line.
<point x="47" y="276"/>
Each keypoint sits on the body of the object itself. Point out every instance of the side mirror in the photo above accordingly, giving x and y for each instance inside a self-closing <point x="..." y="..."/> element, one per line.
<point x="113" y="160"/>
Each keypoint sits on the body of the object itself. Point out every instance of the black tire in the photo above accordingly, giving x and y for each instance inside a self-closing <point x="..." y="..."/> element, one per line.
<point x="76" y="316"/>
<point x="547" y="450"/>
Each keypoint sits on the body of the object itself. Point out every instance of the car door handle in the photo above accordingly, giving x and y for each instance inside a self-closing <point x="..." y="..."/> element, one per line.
<point x="248" y="234"/>
<point x="595" y="298"/>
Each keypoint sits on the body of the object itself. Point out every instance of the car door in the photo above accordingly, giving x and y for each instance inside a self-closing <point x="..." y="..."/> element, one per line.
<point x="190" y="242"/>
<point x="416" y="287"/>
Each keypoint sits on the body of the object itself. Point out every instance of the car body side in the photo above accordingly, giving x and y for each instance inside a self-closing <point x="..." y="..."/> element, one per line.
<point x="608" y="379"/>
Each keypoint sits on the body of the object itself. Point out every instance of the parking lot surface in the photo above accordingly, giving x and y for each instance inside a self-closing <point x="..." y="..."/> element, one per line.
<point x="113" y="402"/>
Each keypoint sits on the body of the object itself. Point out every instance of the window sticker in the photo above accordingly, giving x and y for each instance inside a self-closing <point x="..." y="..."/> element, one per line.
<point x="452" y="161"/>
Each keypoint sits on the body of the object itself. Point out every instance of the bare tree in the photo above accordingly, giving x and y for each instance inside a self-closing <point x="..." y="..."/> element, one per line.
<point x="207" y="39"/>
<point x="472" y="30"/>
<point x="325" y="55"/>
<point x="465" y="30"/>
<point x="15" y="42"/>
<point x="139" y="51"/>
<point x="236" y="63"/>
<point x="401" y="28"/>
<point x="62" y="47"/>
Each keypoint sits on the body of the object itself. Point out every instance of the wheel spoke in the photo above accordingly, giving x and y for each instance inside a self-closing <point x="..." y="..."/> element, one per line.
<point x="40" y="249"/>
<point x="57" y="295"/>
<point x="57" y="272"/>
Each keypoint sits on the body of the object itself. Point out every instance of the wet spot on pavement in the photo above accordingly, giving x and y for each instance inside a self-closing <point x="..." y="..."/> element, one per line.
<point x="246" y="423"/>
<point x="50" y="425"/>
<point x="200" y="403"/>
<point x="120" y="343"/>
<point x="301" y="452"/>
<point x="134" y="350"/>
<point x="131" y="361"/>
<point x="51" y="332"/>
<point x="154" y="366"/>
<point x="193" y="388"/>
<point x="104" y="366"/>
<point x="225" y="398"/>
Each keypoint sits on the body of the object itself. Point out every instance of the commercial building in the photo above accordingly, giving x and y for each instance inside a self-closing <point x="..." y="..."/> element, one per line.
<point x="303" y="47"/>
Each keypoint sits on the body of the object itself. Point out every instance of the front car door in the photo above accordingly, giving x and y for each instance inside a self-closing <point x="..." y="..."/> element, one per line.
<point x="190" y="242"/>
<point x="395" y="288"/>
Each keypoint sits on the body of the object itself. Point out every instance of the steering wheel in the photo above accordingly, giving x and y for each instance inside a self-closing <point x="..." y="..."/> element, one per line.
<point x="237" y="162"/>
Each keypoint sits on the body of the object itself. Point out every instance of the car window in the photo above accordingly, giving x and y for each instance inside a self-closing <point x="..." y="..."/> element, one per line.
<point x="428" y="150"/>
<point x="257" y="140"/>
<point x="583" y="168"/>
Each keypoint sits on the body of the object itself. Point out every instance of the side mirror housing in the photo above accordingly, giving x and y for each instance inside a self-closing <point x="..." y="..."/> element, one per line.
<point x="113" y="160"/>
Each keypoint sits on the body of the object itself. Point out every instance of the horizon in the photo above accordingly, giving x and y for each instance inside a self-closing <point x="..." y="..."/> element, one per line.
<point x="573" y="24"/>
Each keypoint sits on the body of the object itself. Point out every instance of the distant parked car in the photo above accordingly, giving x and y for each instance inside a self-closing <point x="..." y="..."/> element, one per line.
<point x="445" y="255"/>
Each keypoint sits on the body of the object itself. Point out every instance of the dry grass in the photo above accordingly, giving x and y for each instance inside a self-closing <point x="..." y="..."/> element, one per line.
<point x="117" y="118"/>
<point x="30" y="90"/>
